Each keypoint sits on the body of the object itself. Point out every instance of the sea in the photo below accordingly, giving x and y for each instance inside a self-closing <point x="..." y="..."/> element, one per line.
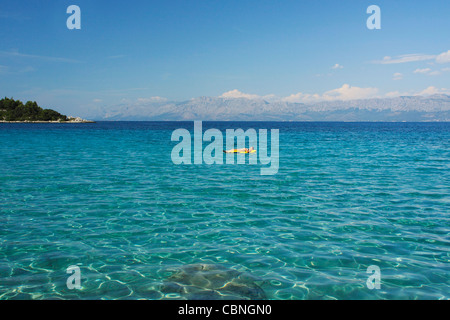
<point x="100" y="210"/>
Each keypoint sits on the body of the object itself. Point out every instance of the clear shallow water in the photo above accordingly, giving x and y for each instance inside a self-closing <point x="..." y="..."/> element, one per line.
<point x="108" y="198"/>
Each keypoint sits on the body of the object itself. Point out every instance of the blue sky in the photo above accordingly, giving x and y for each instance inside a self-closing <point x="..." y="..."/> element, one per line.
<point x="302" y="51"/>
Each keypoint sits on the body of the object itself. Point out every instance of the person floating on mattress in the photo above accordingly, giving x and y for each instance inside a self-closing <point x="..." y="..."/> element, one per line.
<point x="242" y="150"/>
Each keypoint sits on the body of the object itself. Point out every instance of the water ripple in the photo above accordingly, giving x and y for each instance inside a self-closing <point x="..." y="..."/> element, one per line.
<point x="107" y="197"/>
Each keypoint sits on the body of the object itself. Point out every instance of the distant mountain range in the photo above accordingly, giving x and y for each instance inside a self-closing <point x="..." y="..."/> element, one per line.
<point x="404" y="108"/>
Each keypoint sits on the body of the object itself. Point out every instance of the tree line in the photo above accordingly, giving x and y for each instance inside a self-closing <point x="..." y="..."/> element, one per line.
<point x="15" y="110"/>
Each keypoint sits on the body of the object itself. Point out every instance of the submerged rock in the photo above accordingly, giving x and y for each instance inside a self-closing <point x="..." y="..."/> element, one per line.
<point x="212" y="282"/>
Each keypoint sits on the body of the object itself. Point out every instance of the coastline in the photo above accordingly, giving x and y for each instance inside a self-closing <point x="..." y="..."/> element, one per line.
<point x="29" y="121"/>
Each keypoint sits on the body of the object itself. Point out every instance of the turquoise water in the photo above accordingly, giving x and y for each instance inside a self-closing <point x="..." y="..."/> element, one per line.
<point x="107" y="197"/>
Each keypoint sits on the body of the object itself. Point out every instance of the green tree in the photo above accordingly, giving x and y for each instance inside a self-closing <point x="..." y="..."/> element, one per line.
<point x="15" y="110"/>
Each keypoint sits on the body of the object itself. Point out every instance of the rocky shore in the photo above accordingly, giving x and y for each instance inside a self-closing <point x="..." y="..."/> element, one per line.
<point x="69" y="120"/>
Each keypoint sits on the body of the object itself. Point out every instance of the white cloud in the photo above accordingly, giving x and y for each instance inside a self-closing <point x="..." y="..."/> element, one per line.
<point x="429" y="72"/>
<point x="235" y="94"/>
<point x="406" y="58"/>
<point x="303" y="98"/>
<point x="397" y="76"/>
<point x="445" y="70"/>
<point x="433" y="90"/>
<point x="337" y="66"/>
<point x="97" y="100"/>
<point x="424" y="70"/>
<point x="426" y="92"/>
<point x="443" y="57"/>
<point x="346" y="92"/>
